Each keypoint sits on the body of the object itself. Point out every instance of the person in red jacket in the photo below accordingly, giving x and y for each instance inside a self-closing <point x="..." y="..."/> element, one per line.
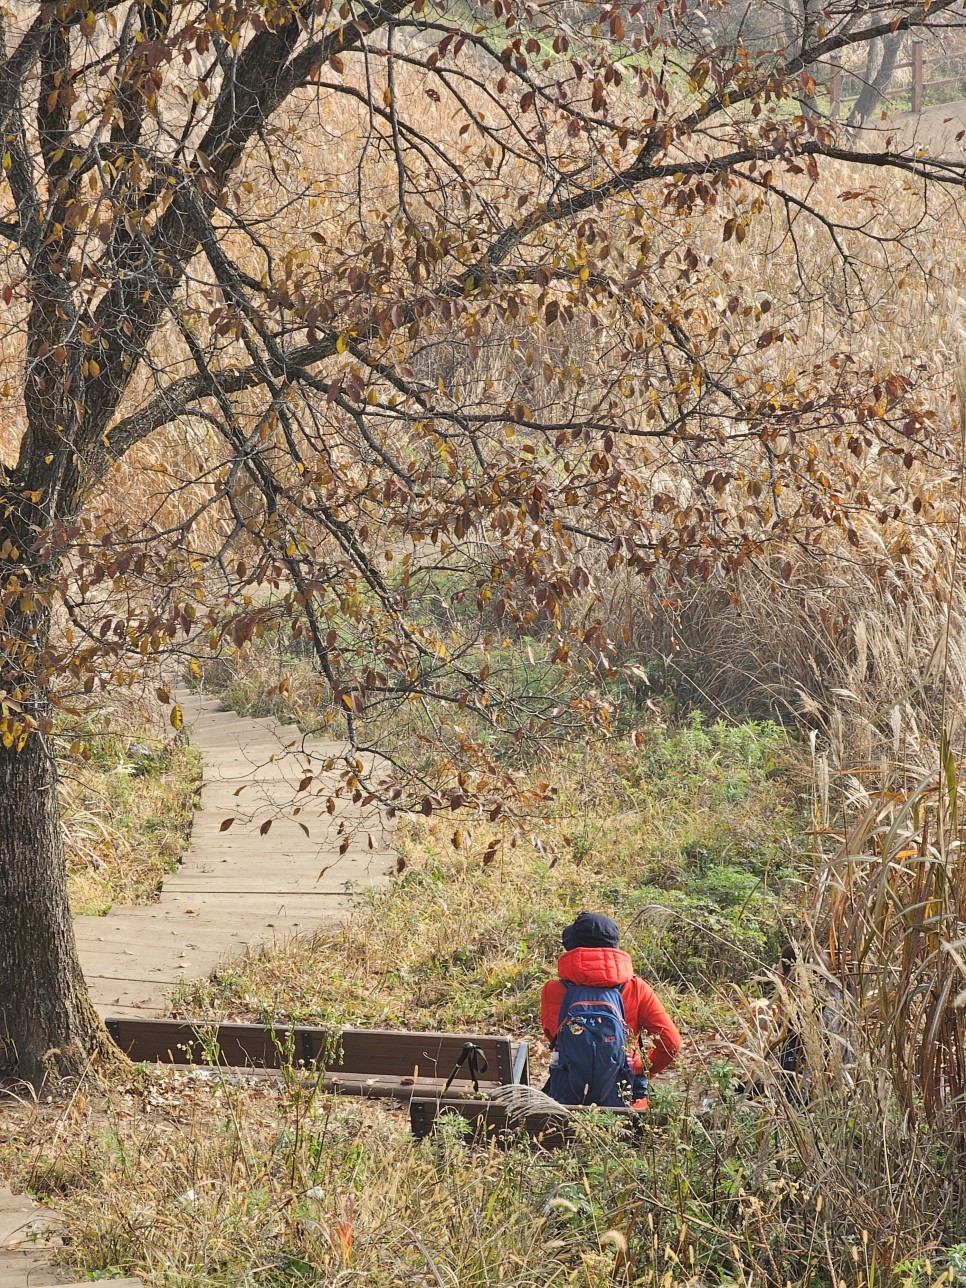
<point x="593" y="958"/>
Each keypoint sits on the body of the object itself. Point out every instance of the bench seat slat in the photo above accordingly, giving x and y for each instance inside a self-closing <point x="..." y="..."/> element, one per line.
<point x="489" y="1119"/>
<point x="402" y="1089"/>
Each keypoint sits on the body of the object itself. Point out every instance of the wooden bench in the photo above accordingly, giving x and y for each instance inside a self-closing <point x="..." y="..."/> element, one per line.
<point x="356" y="1062"/>
<point x="489" y="1120"/>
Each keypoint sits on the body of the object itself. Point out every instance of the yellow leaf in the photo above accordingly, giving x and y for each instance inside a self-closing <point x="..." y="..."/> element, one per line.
<point x="194" y="666"/>
<point x="176" y="718"/>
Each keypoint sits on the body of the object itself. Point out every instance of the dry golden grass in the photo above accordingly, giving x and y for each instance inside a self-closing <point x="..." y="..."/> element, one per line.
<point x="184" y="1180"/>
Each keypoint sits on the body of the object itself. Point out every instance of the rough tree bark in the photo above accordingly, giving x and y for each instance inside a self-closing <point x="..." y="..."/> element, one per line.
<point x="880" y="67"/>
<point x="47" y="1024"/>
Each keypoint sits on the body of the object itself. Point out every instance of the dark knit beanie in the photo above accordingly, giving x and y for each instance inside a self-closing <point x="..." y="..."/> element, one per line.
<point x="591" y="930"/>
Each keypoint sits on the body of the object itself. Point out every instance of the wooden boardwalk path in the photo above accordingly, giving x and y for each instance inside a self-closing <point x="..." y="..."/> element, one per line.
<point x="237" y="889"/>
<point x="24" y="1258"/>
<point x="935" y="130"/>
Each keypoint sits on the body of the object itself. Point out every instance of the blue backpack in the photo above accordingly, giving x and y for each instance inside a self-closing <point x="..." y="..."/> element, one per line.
<point x="589" y="1065"/>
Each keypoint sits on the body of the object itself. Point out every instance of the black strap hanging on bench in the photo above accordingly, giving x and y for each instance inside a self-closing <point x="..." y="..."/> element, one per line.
<point x="475" y="1061"/>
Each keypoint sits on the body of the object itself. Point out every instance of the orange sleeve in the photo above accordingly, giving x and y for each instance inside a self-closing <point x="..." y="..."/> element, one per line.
<point x="645" y="1014"/>
<point x="550" y="1000"/>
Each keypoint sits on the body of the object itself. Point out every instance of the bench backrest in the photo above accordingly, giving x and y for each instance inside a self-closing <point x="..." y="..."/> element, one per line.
<point x="374" y="1051"/>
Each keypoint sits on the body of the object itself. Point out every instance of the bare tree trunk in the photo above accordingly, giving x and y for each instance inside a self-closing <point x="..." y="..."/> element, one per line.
<point x="879" y="69"/>
<point x="47" y="1023"/>
<point x="788" y="37"/>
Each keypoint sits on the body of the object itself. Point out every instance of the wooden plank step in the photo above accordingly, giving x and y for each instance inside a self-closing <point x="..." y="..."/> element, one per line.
<point x="107" y="977"/>
<point x="285" y="838"/>
<point x="131" y="1012"/>
<point x="192" y="708"/>
<point x="123" y="937"/>
<point x="233" y="767"/>
<point x="115" y="933"/>
<point x="261" y="854"/>
<point x="209" y="941"/>
<point x="111" y="998"/>
<point x="107" y="1283"/>
<point x="247" y="842"/>
<point x="23" y="1260"/>
<point x="234" y="742"/>
<point x="229" y="905"/>
<point x="20" y="1217"/>
<point x="23" y="1270"/>
<point x="208" y="718"/>
<point x="240" y="884"/>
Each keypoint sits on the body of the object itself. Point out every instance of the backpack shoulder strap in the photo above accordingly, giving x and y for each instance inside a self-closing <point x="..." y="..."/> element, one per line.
<point x="638" y="1034"/>
<point x="568" y="984"/>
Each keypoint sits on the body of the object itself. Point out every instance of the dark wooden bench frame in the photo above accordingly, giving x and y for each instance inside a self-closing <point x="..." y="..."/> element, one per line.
<point x="373" y="1062"/>
<point x="491" y="1120"/>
